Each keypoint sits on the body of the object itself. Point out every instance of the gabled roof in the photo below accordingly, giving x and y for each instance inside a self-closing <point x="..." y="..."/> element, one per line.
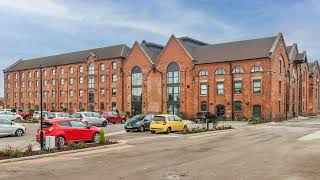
<point x="71" y="58"/>
<point x="153" y="50"/>
<point x="313" y="67"/>
<point x="231" y="51"/>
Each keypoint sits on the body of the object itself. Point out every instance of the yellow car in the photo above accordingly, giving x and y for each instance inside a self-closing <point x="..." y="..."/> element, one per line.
<point x="167" y="123"/>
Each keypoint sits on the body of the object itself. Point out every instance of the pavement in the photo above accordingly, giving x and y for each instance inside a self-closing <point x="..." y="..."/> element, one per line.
<point x="274" y="151"/>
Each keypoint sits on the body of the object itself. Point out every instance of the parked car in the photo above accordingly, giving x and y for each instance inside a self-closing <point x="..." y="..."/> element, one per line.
<point x="114" y="117"/>
<point x="25" y="115"/>
<point x="10" y="115"/>
<point x="60" y="115"/>
<point x="7" y="110"/>
<point x="202" y="117"/>
<point x="69" y="130"/>
<point x="92" y="118"/>
<point x="167" y="123"/>
<point x="139" y="123"/>
<point x="9" y="128"/>
<point x="45" y="114"/>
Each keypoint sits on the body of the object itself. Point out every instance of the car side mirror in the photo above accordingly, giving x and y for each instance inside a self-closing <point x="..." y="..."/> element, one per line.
<point x="12" y="123"/>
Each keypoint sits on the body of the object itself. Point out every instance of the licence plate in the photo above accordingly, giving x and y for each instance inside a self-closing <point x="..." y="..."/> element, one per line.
<point x="129" y="126"/>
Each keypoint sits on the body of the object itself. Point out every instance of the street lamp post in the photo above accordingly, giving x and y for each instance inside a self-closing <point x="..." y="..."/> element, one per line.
<point x="41" y="117"/>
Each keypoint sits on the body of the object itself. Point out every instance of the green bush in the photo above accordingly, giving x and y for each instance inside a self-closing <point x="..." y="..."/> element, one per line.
<point x="82" y="145"/>
<point x="72" y="145"/>
<point x="65" y="109"/>
<point x="14" y="110"/>
<point x="182" y="115"/>
<point x="31" y="111"/>
<point x="102" y="139"/>
<point x="11" y="152"/>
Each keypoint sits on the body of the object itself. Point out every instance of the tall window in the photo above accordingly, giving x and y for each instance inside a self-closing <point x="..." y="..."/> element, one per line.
<point x="203" y="73"/>
<point x="91" y="82"/>
<point x="102" y="78"/>
<point x="114" y="106"/>
<point x="237" y="106"/>
<point x="114" y="77"/>
<point x="81" y="80"/>
<point x="280" y="66"/>
<point x="219" y="71"/>
<point x="80" y="92"/>
<point x="256" y="86"/>
<point x="53" y="71"/>
<point x="71" y="70"/>
<point x="114" y="91"/>
<point x="62" y="81"/>
<point x="237" y="87"/>
<point x="61" y="71"/>
<point x="102" y="67"/>
<point x="279" y="87"/>
<point x="81" y="69"/>
<point x="71" y="81"/>
<point x="237" y="70"/>
<point x="203" y="89"/>
<point x="136" y="90"/>
<point x="91" y="69"/>
<point x="220" y="88"/>
<point x="203" y="105"/>
<point x="114" y="65"/>
<point x="102" y="92"/>
<point x="173" y="88"/>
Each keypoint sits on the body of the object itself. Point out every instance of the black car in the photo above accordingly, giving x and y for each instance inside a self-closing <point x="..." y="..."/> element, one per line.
<point x="139" y="122"/>
<point x="202" y="117"/>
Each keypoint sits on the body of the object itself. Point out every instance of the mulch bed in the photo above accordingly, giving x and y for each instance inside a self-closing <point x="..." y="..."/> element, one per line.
<point x="65" y="148"/>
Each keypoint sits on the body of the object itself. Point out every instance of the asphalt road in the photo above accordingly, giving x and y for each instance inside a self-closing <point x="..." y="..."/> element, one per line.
<point x="283" y="151"/>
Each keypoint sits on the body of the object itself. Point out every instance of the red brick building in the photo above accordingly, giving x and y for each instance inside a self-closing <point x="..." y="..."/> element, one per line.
<point x="261" y="77"/>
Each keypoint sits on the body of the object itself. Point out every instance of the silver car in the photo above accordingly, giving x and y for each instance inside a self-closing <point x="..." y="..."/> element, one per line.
<point x="92" y="118"/>
<point x="10" y="115"/>
<point x="9" y="128"/>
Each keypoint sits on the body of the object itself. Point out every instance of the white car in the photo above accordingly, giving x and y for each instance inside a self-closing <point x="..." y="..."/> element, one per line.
<point x="5" y="110"/>
<point x="60" y="115"/>
<point x="92" y="118"/>
<point x="9" y="128"/>
<point x="10" y="115"/>
<point x="45" y="114"/>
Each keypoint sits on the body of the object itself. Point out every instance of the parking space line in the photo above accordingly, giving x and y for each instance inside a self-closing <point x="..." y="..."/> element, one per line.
<point x="310" y="137"/>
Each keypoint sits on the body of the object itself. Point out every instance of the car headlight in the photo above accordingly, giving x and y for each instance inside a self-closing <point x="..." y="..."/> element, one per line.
<point x="139" y="122"/>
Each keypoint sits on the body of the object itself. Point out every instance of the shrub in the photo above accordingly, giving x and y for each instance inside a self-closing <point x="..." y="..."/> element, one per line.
<point x="81" y="109"/>
<point x="182" y="115"/>
<point x="14" y="110"/>
<point x="102" y="139"/>
<point x="65" y="109"/>
<point x="72" y="145"/>
<point x="29" y="150"/>
<point x="82" y="145"/>
<point x="117" y="111"/>
<point x="11" y="152"/>
<point x="31" y="111"/>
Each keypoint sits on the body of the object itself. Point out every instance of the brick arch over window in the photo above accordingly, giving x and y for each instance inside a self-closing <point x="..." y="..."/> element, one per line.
<point x="256" y="68"/>
<point x="203" y="72"/>
<point x="237" y="70"/>
<point x="220" y="70"/>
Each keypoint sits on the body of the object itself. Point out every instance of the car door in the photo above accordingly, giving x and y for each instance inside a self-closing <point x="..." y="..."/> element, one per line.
<point x="80" y="131"/>
<point x="3" y="130"/>
<point x="172" y="123"/>
<point x="147" y="120"/>
<point x="179" y="123"/>
<point x="8" y="127"/>
<point x="97" y="119"/>
<point x="111" y="117"/>
<point x="65" y="126"/>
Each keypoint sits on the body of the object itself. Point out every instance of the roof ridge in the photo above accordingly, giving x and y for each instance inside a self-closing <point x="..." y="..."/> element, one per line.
<point x="239" y="41"/>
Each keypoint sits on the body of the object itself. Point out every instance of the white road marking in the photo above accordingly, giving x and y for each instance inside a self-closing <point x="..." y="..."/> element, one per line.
<point x="310" y="137"/>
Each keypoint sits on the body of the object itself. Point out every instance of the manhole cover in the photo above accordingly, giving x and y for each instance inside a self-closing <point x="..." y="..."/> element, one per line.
<point x="173" y="176"/>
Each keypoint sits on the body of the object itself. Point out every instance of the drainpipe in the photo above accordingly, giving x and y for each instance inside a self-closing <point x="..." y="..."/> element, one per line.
<point x="232" y="92"/>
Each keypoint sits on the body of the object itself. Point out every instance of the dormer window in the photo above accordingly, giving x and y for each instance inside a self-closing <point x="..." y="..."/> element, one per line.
<point x="219" y="71"/>
<point x="256" y="68"/>
<point x="203" y="73"/>
<point x="237" y="70"/>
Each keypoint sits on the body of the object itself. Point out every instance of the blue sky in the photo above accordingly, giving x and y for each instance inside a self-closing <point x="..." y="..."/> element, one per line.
<point x="35" y="28"/>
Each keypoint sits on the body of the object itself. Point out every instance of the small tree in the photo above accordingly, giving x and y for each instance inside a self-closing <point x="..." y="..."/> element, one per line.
<point x="117" y="111"/>
<point x="102" y="139"/>
<point x="14" y="110"/>
<point x="31" y="111"/>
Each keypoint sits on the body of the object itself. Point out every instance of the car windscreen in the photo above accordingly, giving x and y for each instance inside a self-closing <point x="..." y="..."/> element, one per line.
<point x="159" y="118"/>
<point x="137" y="118"/>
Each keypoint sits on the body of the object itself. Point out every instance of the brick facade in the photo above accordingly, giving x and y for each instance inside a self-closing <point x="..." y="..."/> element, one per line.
<point x="279" y="89"/>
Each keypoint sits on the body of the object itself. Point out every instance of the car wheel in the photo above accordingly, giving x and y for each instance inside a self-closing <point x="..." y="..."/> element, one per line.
<point x="96" y="137"/>
<point x="18" y="119"/>
<point x="141" y="129"/>
<point x="185" y="129"/>
<point x="152" y="132"/>
<point x="168" y="130"/>
<point x="60" y="141"/>
<point x="104" y="123"/>
<point x="123" y="121"/>
<point x="19" y="132"/>
<point x="128" y="130"/>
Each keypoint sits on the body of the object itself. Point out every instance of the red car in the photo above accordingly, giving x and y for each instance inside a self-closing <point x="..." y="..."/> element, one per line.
<point x="69" y="130"/>
<point x="114" y="117"/>
<point x="25" y="115"/>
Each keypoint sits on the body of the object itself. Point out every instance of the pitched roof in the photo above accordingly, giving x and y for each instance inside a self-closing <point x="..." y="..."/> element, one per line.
<point x="152" y="49"/>
<point x="71" y="58"/>
<point x="313" y="66"/>
<point x="239" y="50"/>
<point x="289" y="49"/>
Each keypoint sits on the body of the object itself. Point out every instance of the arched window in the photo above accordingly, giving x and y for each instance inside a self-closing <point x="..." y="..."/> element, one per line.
<point x="114" y="65"/>
<point x="71" y="70"/>
<point x="61" y="71"/>
<point x="256" y="68"/>
<point x="280" y="66"/>
<point x="203" y="73"/>
<point x="237" y="70"/>
<point x="219" y="71"/>
<point x="136" y="90"/>
<point x="173" y="88"/>
<point x="91" y="69"/>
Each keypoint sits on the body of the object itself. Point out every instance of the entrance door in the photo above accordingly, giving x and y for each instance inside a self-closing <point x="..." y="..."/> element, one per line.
<point x="257" y="111"/>
<point x="136" y="90"/>
<point x="220" y="110"/>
